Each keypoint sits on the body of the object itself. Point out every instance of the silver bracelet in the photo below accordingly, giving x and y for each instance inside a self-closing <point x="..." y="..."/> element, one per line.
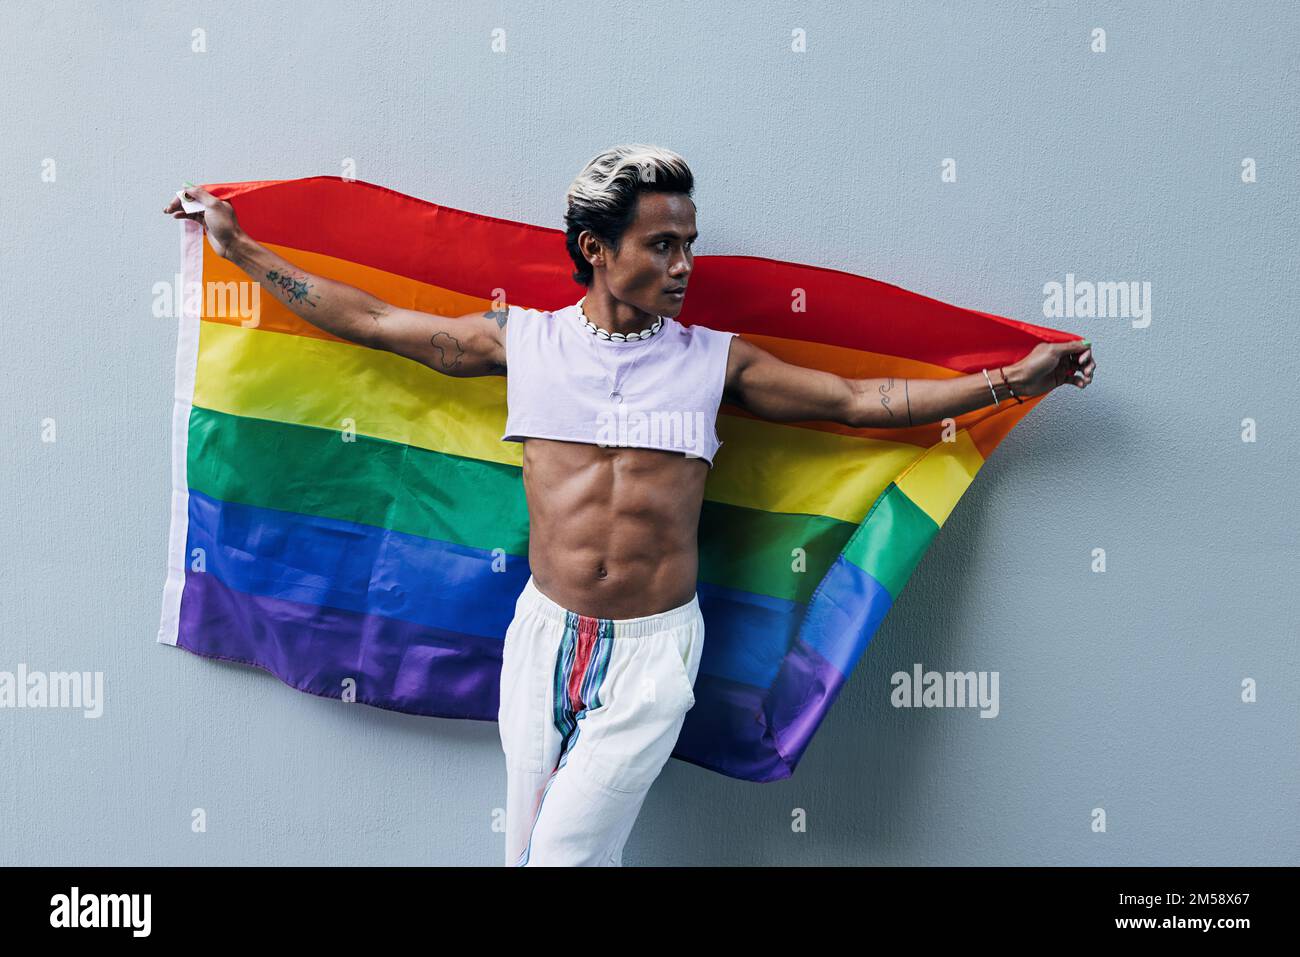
<point x="996" y="400"/>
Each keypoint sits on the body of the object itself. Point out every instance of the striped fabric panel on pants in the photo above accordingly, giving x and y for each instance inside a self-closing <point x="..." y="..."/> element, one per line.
<point x="580" y="666"/>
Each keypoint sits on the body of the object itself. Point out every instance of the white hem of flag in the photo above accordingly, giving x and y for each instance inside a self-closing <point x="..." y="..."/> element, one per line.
<point x="187" y="353"/>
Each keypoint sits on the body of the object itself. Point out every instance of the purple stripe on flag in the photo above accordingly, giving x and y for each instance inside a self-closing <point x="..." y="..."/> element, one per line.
<point x="396" y="664"/>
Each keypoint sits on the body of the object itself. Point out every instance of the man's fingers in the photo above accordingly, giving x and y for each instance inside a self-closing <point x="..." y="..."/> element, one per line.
<point x="196" y="193"/>
<point x="201" y="194"/>
<point x="1076" y="362"/>
<point x="1083" y="361"/>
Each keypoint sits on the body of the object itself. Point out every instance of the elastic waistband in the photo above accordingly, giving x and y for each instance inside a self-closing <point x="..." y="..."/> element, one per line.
<point x="532" y="599"/>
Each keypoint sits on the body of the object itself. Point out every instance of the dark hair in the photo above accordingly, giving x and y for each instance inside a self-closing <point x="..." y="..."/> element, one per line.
<point x="604" y="197"/>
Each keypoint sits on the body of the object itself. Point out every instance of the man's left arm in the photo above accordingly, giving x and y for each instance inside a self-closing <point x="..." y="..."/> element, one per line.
<point x="777" y="390"/>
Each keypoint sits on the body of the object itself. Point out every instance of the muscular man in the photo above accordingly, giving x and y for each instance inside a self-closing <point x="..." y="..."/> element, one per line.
<point x="600" y="660"/>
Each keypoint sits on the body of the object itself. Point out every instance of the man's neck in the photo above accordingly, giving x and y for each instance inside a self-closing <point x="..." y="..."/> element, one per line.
<point x="607" y="313"/>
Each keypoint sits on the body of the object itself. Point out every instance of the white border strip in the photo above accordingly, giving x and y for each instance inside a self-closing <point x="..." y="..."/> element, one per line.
<point x="187" y="354"/>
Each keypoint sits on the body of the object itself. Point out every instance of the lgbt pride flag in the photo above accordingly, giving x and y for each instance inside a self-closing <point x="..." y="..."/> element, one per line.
<point x="348" y="520"/>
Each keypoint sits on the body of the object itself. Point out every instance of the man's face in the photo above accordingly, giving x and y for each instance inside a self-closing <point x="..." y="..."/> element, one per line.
<point x="656" y="255"/>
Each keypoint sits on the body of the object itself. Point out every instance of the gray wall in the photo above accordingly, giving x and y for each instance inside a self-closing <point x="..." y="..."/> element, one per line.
<point x="1120" y="691"/>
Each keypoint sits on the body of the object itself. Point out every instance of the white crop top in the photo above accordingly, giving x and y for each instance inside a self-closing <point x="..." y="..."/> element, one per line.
<point x="559" y="380"/>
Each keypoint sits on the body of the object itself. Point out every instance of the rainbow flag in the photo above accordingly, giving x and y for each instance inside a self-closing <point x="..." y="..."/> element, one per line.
<point x="348" y="520"/>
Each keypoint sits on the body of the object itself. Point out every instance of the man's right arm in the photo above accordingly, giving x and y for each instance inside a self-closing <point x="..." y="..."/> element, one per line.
<point x="469" y="345"/>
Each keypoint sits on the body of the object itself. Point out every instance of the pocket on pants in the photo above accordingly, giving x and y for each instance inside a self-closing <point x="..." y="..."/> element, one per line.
<point x="632" y="735"/>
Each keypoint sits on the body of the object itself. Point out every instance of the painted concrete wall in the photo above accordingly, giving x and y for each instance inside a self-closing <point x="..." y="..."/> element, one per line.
<point x="1120" y="690"/>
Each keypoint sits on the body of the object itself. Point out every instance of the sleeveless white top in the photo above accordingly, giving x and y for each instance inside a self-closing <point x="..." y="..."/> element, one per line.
<point x="560" y="376"/>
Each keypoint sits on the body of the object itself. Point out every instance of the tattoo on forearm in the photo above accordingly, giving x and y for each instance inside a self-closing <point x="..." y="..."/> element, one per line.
<point x="449" y="349"/>
<point x="500" y="315"/>
<point x="886" y="398"/>
<point x="295" y="289"/>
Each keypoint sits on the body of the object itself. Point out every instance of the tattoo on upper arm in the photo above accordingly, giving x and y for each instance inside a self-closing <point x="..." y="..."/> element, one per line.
<point x="501" y="316"/>
<point x="295" y="288"/>
<point x="449" y="350"/>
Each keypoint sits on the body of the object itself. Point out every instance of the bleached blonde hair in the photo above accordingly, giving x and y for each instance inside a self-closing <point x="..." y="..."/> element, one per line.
<point x="603" y="197"/>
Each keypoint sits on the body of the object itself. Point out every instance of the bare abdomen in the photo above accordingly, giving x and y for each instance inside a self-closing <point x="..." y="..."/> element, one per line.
<point x="613" y="531"/>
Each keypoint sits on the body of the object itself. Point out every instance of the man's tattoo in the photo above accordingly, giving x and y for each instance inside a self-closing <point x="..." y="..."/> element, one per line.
<point x="886" y="398"/>
<point x="295" y="289"/>
<point x="449" y="348"/>
<point x="500" y="315"/>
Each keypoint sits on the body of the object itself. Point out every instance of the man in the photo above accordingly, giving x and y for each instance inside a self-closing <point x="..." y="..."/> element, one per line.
<point x="615" y="403"/>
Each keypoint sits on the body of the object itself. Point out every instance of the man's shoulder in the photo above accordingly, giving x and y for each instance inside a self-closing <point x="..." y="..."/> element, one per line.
<point x="704" y="329"/>
<point x="533" y="314"/>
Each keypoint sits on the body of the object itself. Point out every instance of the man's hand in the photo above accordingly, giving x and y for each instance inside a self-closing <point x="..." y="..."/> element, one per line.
<point x="218" y="217"/>
<point x="1051" y="364"/>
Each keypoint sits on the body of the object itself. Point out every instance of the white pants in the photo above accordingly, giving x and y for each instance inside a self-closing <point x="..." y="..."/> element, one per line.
<point x="590" y="713"/>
